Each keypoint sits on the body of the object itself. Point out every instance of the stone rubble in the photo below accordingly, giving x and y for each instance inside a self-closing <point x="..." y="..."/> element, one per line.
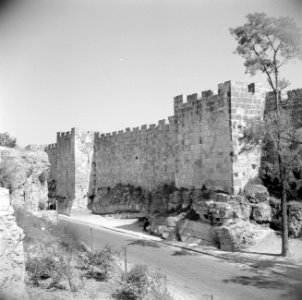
<point x="12" y="267"/>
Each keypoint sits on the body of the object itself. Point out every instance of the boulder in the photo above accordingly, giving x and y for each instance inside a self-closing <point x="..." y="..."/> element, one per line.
<point x="221" y="197"/>
<point x="196" y="232"/>
<point x="165" y="226"/>
<point x="256" y="193"/>
<point x="214" y="212"/>
<point x="240" y="234"/>
<point x="295" y="219"/>
<point x="261" y="212"/>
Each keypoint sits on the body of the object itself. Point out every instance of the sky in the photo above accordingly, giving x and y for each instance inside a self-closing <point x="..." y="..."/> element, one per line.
<point x="105" y="65"/>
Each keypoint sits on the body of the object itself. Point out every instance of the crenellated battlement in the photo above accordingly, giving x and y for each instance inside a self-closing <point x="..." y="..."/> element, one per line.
<point x="51" y="147"/>
<point x="297" y="93"/>
<point x="64" y="134"/>
<point x="195" y="100"/>
<point x="191" y="148"/>
<point x="151" y="128"/>
<point x="69" y="134"/>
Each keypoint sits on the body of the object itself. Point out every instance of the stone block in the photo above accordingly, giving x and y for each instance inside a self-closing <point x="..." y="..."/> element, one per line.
<point x="261" y="212"/>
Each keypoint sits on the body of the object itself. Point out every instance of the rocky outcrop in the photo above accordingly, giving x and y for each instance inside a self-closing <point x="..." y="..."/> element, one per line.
<point x="295" y="219"/>
<point x="165" y="227"/>
<point x="200" y="216"/>
<point x="12" y="267"/>
<point x="25" y="174"/>
<point x="221" y="208"/>
<point x="294" y="209"/>
<point x="196" y="232"/>
<point x="128" y="198"/>
<point x="240" y="234"/>
<point x="180" y="228"/>
<point x="118" y="199"/>
<point x="261" y="213"/>
<point x="256" y="193"/>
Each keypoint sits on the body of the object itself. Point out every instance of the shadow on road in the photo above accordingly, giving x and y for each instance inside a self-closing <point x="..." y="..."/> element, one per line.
<point x="257" y="281"/>
<point x="261" y="278"/>
<point x="143" y="243"/>
<point x="182" y="253"/>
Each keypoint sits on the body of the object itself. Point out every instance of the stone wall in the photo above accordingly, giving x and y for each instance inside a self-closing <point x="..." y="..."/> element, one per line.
<point x="83" y="151"/>
<point x="195" y="149"/>
<point x="62" y="175"/>
<point x="198" y="147"/>
<point x="204" y="139"/>
<point x="71" y="161"/>
<point x="248" y="101"/>
<point x="12" y="267"/>
<point x="142" y="157"/>
<point x="295" y="97"/>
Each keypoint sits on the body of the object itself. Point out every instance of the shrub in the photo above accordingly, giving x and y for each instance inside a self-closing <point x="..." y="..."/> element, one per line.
<point x="6" y="140"/>
<point x="157" y="287"/>
<point x="133" y="284"/>
<point x="138" y="284"/>
<point x="97" y="264"/>
<point x="52" y="265"/>
<point x="8" y="175"/>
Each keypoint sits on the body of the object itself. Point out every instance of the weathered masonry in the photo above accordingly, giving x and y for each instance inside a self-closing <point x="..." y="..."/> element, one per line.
<point x="198" y="147"/>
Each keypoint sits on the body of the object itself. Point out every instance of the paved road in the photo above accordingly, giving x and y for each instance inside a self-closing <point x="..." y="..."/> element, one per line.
<point x="195" y="276"/>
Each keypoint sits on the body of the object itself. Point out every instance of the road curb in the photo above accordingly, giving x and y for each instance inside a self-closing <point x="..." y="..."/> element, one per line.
<point x="168" y="243"/>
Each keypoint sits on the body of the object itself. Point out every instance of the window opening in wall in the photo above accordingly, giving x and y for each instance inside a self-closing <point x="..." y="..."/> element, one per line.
<point x="251" y="88"/>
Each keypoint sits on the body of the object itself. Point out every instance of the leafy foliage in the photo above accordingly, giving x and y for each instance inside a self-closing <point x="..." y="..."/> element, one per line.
<point x="98" y="264"/>
<point x="277" y="135"/>
<point x="50" y="265"/>
<point x="7" y="141"/>
<point x="267" y="43"/>
<point x="55" y="260"/>
<point x="139" y="284"/>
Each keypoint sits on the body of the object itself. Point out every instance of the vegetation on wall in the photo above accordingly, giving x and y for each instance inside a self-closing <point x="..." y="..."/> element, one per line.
<point x="7" y="141"/>
<point x="267" y="44"/>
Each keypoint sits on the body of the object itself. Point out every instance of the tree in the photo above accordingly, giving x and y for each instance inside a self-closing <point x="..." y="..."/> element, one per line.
<point x="267" y="44"/>
<point x="6" y="140"/>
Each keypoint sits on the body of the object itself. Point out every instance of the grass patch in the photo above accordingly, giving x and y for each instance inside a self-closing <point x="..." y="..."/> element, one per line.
<point x="58" y="267"/>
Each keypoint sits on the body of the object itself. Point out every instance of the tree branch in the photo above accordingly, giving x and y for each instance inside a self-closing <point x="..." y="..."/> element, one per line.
<point x="270" y="81"/>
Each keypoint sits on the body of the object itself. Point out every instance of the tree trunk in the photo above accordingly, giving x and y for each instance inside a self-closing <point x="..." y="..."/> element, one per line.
<point x="284" y="221"/>
<point x="285" y="248"/>
<point x="282" y="174"/>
